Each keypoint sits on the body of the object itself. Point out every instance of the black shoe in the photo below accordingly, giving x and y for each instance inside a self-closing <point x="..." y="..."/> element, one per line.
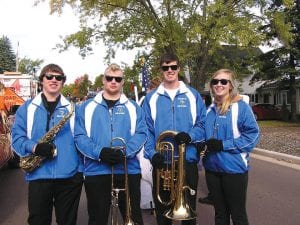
<point x="206" y="200"/>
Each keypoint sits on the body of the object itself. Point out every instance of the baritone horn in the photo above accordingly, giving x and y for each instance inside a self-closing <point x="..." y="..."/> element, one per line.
<point x="115" y="191"/>
<point x="172" y="178"/>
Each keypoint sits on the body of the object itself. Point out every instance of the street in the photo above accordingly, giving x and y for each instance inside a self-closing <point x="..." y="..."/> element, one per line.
<point x="273" y="197"/>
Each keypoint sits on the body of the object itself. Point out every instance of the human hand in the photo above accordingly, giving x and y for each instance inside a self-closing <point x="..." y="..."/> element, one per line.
<point x="45" y="150"/>
<point x="214" y="145"/>
<point x="158" y="161"/>
<point x="200" y="146"/>
<point x="111" y="156"/>
<point x="182" y="138"/>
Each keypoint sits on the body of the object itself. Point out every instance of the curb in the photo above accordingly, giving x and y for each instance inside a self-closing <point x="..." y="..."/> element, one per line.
<point x="277" y="155"/>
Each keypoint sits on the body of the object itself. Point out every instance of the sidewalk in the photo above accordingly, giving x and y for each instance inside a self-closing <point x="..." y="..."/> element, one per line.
<point x="276" y="157"/>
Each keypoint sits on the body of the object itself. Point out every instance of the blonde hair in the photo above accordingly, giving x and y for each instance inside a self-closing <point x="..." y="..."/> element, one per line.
<point x="113" y="67"/>
<point x="233" y="92"/>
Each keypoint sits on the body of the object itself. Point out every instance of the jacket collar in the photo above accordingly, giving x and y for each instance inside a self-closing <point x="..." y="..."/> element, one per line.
<point x="99" y="98"/>
<point x="182" y="88"/>
<point x="37" y="100"/>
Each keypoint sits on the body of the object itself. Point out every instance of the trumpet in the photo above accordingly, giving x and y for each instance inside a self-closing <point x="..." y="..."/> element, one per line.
<point x="115" y="191"/>
<point x="173" y="180"/>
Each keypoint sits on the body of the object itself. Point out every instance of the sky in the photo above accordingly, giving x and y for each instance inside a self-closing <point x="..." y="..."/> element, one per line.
<point x="37" y="33"/>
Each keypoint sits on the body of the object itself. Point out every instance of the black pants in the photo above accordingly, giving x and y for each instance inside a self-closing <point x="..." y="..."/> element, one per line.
<point x="98" y="193"/>
<point x="229" y="196"/>
<point x="62" y="194"/>
<point x="191" y="175"/>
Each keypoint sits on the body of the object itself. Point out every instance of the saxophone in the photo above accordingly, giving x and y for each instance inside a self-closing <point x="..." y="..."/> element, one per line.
<point x="31" y="162"/>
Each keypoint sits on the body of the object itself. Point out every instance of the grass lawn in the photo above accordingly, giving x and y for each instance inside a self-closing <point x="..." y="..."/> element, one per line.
<point x="277" y="123"/>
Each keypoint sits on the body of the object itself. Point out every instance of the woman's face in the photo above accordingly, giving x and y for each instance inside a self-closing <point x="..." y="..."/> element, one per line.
<point x="221" y="85"/>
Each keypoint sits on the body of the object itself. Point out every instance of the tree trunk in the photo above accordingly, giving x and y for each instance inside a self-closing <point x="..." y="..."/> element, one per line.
<point x="293" y="98"/>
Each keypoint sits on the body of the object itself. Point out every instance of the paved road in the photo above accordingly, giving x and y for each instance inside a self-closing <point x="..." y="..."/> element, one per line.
<point x="273" y="196"/>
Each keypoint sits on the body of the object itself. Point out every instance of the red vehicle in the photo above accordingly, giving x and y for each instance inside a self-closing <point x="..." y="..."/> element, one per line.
<point x="266" y="111"/>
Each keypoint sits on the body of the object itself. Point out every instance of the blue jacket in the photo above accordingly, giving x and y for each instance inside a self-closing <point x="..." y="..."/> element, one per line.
<point x="185" y="114"/>
<point x="239" y="132"/>
<point x="96" y="126"/>
<point x="30" y="126"/>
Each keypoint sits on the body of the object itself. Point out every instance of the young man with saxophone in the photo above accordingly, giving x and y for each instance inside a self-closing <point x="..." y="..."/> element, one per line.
<point x="100" y="124"/>
<point x="178" y="108"/>
<point x="43" y="130"/>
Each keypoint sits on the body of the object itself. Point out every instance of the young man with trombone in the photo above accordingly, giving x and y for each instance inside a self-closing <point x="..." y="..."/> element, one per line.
<point x="175" y="115"/>
<point x="110" y="130"/>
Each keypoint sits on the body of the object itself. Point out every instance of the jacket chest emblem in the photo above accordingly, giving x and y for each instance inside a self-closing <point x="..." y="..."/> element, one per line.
<point x="120" y="110"/>
<point x="61" y="112"/>
<point x="182" y="103"/>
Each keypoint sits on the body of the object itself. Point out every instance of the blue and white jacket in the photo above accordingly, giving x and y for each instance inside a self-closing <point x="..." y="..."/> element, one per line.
<point x="239" y="132"/>
<point x="186" y="113"/>
<point x="96" y="126"/>
<point x="30" y="126"/>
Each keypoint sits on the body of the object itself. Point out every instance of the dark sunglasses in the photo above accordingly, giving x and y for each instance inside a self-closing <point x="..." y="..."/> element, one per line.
<point x="166" y="68"/>
<point x="216" y="81"/>
<point x="110" y="78"/>
<point x="57" y="77"/>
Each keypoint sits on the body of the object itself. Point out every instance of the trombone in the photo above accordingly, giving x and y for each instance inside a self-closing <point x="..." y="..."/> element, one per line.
<point x="115" y="191"/>
<point x="173" y="179"/>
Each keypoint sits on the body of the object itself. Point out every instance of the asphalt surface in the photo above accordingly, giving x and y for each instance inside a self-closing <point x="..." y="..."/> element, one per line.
<point x="273" y="195"/>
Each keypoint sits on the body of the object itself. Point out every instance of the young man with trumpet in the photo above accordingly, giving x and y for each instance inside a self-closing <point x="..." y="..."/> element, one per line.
<point x="42" y="136"/>
<point x="176" y="107"/>
<point x="110" y="130"/>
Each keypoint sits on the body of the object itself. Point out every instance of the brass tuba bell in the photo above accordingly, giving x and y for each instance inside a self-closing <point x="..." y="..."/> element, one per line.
<point x="173" y="179"/>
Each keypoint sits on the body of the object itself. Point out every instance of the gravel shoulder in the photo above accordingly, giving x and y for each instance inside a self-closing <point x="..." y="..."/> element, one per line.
<point x="280" y="139"/>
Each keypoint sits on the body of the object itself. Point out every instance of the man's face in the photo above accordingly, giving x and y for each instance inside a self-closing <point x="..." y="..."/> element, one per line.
<point x="170" y="71"/>
<point x="113" y="82"/>
<point x="52" y="83"/>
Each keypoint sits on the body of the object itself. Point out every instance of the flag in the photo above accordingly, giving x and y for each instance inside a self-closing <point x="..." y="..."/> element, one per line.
<point x="145" y="77"/>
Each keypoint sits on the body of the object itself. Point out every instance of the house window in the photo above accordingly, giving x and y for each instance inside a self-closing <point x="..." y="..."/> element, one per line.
<point x="288" y="98"/>
<point x="266" y="98"/>
<point x="254" y="98"/>
<point x="285" y="97"/>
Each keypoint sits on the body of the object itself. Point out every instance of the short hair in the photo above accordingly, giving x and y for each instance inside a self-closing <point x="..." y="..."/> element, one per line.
<point x="113" y="67"/>
<point x="169" y="57"/>
<point x="51" y="68"/>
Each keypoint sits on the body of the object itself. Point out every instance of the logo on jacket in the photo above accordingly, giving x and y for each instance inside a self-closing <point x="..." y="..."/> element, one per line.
<point x="120" y="110"/>
<point x="182" y="102"/>
<point x="61" y="112"/>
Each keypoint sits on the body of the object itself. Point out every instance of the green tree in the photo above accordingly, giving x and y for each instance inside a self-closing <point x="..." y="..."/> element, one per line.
<point x="81" y="86"/>
<point x="29" y="66"/>
<point x="282" y="63"/>
<point x="193" y="29"/>
<point x="97" y="83"/>
<point x="7" y="56"/>
<point x="68" y="89"/>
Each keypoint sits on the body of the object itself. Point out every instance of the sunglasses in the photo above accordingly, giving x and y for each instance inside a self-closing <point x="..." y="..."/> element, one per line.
<point x="110" y="78"/>
<point x="166" y="68"/>
<point x="57" y="77"/>
<point x="216" y="81"/>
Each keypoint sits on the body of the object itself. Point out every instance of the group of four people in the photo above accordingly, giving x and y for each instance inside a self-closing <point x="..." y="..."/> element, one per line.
<point x="111" y="129"/>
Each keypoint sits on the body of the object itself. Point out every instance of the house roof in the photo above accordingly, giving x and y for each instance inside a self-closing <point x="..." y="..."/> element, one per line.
<point x="248" y="87"/>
